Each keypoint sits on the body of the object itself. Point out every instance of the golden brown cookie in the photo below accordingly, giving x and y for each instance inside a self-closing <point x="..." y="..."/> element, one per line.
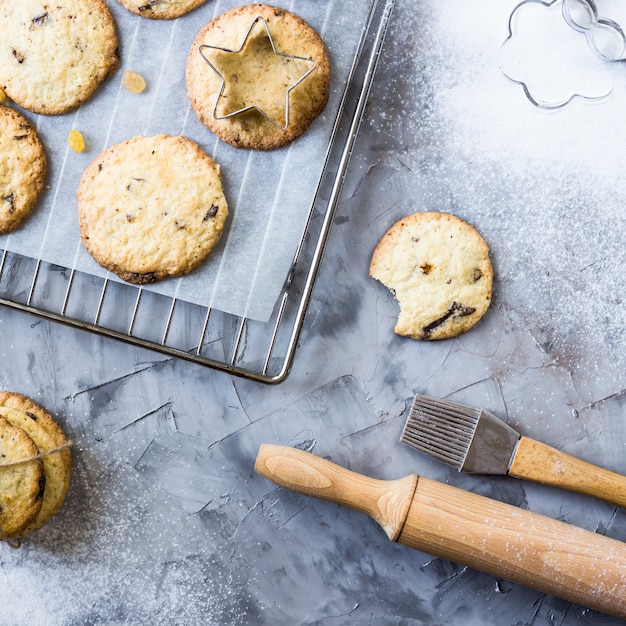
<point x="161" y="9"/>
<point x="22" y="485"/>
<point x="438" y="268"/>
<point x="44" y="430"/>
<point x="257" y="76"/>
<point x="23" y="169"/>
<point x="55" y="54"/>
<point x="151" y="207"/>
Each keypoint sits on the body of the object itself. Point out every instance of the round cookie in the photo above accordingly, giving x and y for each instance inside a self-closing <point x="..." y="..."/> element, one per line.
<point x="23" y="169"/>
<point x="151" y="207"/>
<point x="161" y="9"/>
<point x="55" y="54"/>
<point x="43" y="429"/>
<point x="256" y="78"/>
<point x="22" y="485"/>
<point x="438" y="268"/>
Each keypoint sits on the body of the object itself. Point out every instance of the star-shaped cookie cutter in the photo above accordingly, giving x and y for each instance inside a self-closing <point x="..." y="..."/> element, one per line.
<point x="254" y="107"/>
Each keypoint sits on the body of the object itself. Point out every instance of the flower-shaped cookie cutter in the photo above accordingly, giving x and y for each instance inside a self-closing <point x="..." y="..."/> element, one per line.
<point x="593" y="82"/>
<point x="250" y="107"/>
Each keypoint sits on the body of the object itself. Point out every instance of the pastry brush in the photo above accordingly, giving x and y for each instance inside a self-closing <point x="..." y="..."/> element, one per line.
<point x="505" y="541"/>
<point x="476" y="441"/>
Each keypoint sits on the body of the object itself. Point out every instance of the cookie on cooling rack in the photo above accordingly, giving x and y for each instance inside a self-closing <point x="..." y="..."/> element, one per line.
<point x="151" y="207"/>
<point x="161" y="9"/>
<point x="23" y="169"/>
<point x="257" y="76"/>
<point x="55" y="54"/>
<point x="22" y="485"/>
<point x="25" y="414"/>
<point x="438" y="268"/>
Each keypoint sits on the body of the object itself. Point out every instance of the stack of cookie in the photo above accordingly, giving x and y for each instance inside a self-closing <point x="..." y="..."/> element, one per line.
<point x="35" y="466"/>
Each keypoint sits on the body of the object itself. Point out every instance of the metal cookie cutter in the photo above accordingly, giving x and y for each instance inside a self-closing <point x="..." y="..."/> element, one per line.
<point x="604" y="36"/>
<point x="596" y="85"/>
<point x="249" y="107"/>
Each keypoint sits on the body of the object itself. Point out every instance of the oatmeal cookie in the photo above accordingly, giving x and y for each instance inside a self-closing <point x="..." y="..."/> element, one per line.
<point x="151" y="207"/>
<point x="22" y="485"/>
<point x="438" y="268"/>
<point x="161" y="9"/>
<point x="23" y="169"/>
<point x="54" y="55"/>
<point x="257" y="76"/>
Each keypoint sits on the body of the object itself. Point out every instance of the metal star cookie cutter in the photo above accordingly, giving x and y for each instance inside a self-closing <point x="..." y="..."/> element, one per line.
<point x="604" y="36"/>
<point x="577" y="15"/>
<point x="254" y="107"/>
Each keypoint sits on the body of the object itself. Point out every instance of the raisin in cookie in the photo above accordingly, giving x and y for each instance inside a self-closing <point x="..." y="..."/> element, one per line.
<point x="151" y="207"/>
<point x="22" y="484"/>
<point x="23" y="169"/>
<point x="438" y="268"/>
<point x="55" y="54"/>
<point x="47" y="434"/>
<point x="161" y="9"/>
<point x="257" y="76"/>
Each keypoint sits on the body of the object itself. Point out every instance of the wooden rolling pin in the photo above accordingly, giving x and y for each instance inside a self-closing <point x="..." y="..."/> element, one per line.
<point x="505" y="541"/>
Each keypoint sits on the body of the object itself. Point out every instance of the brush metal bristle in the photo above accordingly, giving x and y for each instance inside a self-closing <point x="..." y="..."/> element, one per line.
<point x="441" y="428"/>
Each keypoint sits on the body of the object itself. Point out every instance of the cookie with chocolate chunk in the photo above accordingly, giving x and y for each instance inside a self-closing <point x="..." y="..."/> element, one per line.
<point x="22" y="484"/>
<point x="22" y="412"/>
<point x="55" y="54"/>
<point x="151" y="207"/>
<point x="438" y="268"/>
<point x="23" y="169"/>
<point x="258" y="76"/>
<point x="161" y="9"/>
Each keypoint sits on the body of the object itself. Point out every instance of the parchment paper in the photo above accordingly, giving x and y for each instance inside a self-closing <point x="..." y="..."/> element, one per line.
<point x="269" y="193"/>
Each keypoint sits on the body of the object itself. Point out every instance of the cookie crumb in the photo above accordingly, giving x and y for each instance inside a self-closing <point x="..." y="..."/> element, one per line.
<point x="134" y="82"/>
<point x="76" y="140"/>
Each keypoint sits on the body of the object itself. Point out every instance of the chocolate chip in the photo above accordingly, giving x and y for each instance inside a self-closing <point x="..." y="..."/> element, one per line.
<point x="40" y="19"/>
<point x="42" y="487"/>
<point x="11" y="200"/>
<point x="212" y="212"/>
<point x="142" y="279"/>
<point x="455" y="310"/>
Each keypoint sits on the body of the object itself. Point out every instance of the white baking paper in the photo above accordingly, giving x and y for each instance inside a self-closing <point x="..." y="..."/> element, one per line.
<point x="269" y="193"/>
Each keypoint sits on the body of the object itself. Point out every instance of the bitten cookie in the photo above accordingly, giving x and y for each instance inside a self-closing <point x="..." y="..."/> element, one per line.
<point x="22" y="485"/>
<point x="23" y="169"/>
<point x="438" y="268"/>
<point x="54" y="55"/>
<point x="151" y="207"/>
<point x="161" y="9"/>
<point x="256" y="78"/>
<point x="47" y="434"/>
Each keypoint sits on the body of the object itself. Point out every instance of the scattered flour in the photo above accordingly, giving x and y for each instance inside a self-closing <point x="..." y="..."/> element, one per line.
<point x="545" y="187"/>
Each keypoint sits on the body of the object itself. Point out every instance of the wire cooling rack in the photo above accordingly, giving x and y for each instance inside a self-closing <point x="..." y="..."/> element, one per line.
<point x="237" y="345"/>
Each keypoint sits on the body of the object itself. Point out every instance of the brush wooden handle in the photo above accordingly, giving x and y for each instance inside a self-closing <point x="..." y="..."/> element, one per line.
<point x="530" y="549"/>
<point x="543" y="464"/>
